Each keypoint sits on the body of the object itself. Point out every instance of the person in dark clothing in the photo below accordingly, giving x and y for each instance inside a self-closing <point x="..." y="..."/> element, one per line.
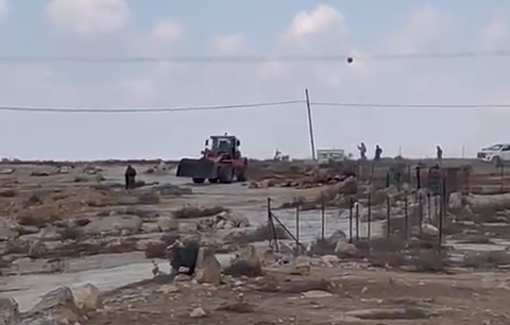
<point x="130" y="176"/>
<point x="378" y="153"/>
<point x="439" y="153"/>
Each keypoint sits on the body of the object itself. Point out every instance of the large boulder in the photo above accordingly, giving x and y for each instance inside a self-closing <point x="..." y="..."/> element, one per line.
<point x="56" y="307"/>
<point x="209" y="269"/>
<point x="113" y="225"/>
<point x="7" y="229"/>
<point x="9" y="312"/>
<point x="88" y="298"/>
<point x="167" y="223"/>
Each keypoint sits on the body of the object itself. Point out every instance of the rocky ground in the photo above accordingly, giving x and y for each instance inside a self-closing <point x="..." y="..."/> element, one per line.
<point x="64" y="219"/>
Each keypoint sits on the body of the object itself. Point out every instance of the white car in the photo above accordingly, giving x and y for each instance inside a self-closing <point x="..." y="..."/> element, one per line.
<point x="495" y="154"/>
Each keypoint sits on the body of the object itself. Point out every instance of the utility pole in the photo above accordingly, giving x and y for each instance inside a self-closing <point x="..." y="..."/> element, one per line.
<point x="310" y="124"/>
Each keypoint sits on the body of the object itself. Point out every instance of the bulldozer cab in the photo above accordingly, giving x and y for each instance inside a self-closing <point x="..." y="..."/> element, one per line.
<point x="225" y="144"/>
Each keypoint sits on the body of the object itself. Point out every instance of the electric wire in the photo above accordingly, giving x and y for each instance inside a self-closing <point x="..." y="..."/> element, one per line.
<point x="252" y="59"/>
<point x="405" y="106"/>
<point x="113" y="110"/>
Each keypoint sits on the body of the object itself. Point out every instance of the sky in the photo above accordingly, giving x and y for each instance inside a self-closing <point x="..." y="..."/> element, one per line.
<point x="163" y="28"/>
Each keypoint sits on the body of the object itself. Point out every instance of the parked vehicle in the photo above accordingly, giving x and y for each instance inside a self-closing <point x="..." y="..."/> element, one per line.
<point x="496" y="154"/>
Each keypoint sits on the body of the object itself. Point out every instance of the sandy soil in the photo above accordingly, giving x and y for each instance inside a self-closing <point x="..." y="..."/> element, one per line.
<point x="38" y="195"/>
<point x="277" y="298"/>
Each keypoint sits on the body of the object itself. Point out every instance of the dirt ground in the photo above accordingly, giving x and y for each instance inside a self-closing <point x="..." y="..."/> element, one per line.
<point x="42" y="200"/>
<point x="382" y="297"/>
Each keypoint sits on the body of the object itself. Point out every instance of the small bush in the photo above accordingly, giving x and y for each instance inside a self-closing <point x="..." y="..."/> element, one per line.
<point x="195" y="212"/>
<point x="263" y="233"/>
<point x="155" y="250"/>
<point x="243" y="268"/>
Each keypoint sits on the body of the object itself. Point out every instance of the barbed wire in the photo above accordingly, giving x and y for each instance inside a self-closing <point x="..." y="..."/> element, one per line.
<point x="251" y="59"/>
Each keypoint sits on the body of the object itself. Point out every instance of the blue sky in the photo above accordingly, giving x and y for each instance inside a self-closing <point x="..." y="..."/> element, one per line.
<point x="117" y="28"/>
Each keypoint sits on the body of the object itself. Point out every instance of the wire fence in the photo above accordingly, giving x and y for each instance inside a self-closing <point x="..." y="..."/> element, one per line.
<point x="418" y="211"/>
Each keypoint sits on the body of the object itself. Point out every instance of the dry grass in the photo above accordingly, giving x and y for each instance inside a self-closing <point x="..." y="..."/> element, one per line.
<point x="196" y="212"/>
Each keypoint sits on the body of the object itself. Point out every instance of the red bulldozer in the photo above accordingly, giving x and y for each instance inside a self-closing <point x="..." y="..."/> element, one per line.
<point x="221" y="162"/>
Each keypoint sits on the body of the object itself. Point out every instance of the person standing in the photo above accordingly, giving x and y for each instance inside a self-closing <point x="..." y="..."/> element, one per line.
<point x="378" y="153"/>
<point x="362" y="151"/>
<point x="439" y="153"/>
<point x="130" y="177"/>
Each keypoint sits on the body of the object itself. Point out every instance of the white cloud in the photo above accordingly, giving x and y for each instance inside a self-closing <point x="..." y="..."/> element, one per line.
<point x="233" y="44"/>
<point x="166" y="33"/>
<point x="140" y="90"/>
<point x="89" y="16"/>
<point x="496" y="31"/>
<point x="4" y="8"/>
<point x="307" y="24"/>
<point x="423" y="27"/>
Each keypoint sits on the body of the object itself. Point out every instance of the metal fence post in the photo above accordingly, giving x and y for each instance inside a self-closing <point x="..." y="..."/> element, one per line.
<point x="388" y="216"/>
<point x="350" y="219"/>
<point x="369" y="216"/>
<point x="357" y="221"/>
<point x="323" y="221"/>
<point x="297" y="230"/>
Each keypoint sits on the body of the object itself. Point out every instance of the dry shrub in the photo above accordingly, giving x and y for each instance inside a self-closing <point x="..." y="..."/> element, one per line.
<point x="262" y="233"/>
<point x="196" y="212"/>
<point x="151" y="197"/>
<point x="71" y="233"/>
<point x="29" y="219"/>
<point x="8" y="193"/>
<point x="244" y="268"/>
<point x="485" y="260"/>
<point x="322" y="247"/>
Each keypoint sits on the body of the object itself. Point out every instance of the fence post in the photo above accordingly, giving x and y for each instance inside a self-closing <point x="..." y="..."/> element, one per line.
<point x="429" y="212"/>
<point x="350" y="219"/>
<point x="323" y="221"/>
<point x="418" y="180"/>
<point x="443" y="213"/>
<point x="357" y="221"/>
<point x="271" y="226"/>
<point x="420" y="212"/>
<point x="502" y="171"/>
<point x="369" y="216"/>
<point x="388" y="216"/>
<point x="297" y="230"/>
<point x="406" y="216"/>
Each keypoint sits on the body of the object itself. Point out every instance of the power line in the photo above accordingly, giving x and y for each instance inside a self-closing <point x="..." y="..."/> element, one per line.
<point x="249" y="59"/>
<point x="404" y="106"/>
<point x="144" y="110"/>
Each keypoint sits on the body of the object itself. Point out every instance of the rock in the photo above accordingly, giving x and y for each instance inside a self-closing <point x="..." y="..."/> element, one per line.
<point x="9" y="312"/>
<point x="37" y="249"/>
<point x="9" y="193"/>
<point x="455" y="201"/>
<point x="49" y="233"/>
<point x="168" y="288"/>
<point x="113" y="225"/>
<point x="344" y="248"/>
<point x="17" y="246"/>
<point x="88" y="298"/>
<point x="404" y="313"/>
<point x="430" y="230"/>
<point x="7" y="171"/>
<point x="314" y="294"/>
<point x="208" y="268"/>
<point x="198" y="312"/>
<point x="57" y="305"/>
<point x="150" y="227"/>
<point x="330" y="260"/>
<point x="167" y="224"/>
<point x="7" y="229"/>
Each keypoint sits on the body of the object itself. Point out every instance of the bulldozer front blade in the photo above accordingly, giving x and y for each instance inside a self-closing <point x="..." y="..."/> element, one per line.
<point x="197" y="168"/>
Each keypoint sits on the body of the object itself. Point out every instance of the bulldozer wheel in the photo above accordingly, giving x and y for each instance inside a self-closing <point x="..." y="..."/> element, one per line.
<point x="213" y="180"/>
<point x="225" y="174"/>
<point x="198" y="180"/>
